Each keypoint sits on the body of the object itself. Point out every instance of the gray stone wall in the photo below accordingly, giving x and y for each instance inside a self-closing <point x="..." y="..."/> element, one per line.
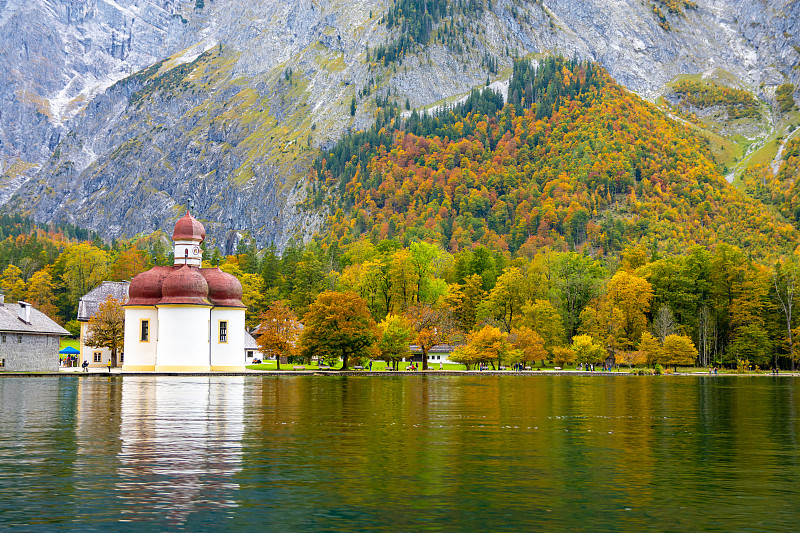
<point x="36" y="353"/>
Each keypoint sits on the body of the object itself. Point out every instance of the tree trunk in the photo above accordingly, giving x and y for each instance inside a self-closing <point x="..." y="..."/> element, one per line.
<point x="344" y="360"/>
<point x="114" y="357"/>
<point x="278" y="360"/>
<point x="424" y="358"/>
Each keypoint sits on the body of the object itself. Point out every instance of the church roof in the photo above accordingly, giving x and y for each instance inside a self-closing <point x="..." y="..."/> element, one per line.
<point x="189" y="228"/>
<point x="39" y="322"/>
<point x="90" y="303"/>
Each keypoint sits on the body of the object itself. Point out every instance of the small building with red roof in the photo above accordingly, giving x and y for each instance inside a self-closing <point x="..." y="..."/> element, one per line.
<point x="185" y="318"/>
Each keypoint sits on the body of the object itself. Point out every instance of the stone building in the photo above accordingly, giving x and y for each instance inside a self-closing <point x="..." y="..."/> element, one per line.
<point x="87" y="308"/>
<point x="29" y="339"/>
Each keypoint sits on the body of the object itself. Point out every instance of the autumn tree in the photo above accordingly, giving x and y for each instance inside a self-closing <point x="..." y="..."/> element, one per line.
<point x="338" y="325"/>
<point x="433" y="326"/>
<point x="576" y="279"/>
<point x="587" y="351"/>
<point x="529" y="344"/>
<point x="12" y="283"/>
<point x="85" y="267"/>
<point x="278" y="331"/>
<point x="464" y="301"/>
<point x="540" y="316"/>
<point x="678" y="350"/>
<point x="563" y="356"/>
<point x="631" y="295"/>
<point x="491" y="345"/>
<point x="785" y="279"/>
<point x="506" y="299"/>
<point x="396" y="334"/>
<point x="41" y="293"/>
<point x="106" y="328"/>
<point x="650" y="348"/>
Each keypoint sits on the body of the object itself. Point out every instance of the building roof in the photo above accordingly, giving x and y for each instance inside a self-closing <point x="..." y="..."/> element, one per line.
<point x="249" y="342"/>
<point x="39" y="322"/>
<point x="90" y="303"/>
<point x="189" y="228"/>
<point x="440" y="348"/>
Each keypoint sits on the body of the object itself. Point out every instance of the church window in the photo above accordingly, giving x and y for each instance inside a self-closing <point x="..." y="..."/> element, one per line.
<point x="145" y="331"/>
<point x="4" y="337"/>
<point x="19" y="339"/>
<point x="98" y="357"/>
<point x="223" y="331"/>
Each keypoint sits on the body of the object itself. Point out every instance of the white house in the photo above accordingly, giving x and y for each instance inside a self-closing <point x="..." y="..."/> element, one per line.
<point x="184" y="317"/>
<point x="87" y="308"/>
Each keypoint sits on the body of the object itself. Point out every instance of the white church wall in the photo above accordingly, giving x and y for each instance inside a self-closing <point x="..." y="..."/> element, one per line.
<point x="227" y="355"/>
<point x="140" y="355"/>
<point x="183" y="343"/>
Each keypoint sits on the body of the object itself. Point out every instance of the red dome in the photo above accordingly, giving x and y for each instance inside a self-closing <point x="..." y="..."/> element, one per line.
<point x="224" y="290"/>
<point x="189" y="228"/>
<point x="145" y="288"/>
<point x="185" y="285"/>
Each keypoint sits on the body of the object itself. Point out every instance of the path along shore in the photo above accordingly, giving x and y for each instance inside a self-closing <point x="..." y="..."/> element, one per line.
<point x="95" y="372"/>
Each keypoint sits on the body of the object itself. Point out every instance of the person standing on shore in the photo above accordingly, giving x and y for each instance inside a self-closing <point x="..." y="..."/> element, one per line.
<point x="85" y="366"/>
<point x="109" y="366"/>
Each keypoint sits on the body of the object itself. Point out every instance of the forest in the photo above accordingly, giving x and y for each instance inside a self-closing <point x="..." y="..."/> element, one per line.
<point x="572" y="223"/>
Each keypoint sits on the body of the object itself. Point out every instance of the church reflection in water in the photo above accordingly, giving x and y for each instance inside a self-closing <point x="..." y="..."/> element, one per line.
<point x="180" y="447"/>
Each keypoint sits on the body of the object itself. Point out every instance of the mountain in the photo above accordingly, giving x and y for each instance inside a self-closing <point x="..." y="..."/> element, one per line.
<point x="113" y="115"/>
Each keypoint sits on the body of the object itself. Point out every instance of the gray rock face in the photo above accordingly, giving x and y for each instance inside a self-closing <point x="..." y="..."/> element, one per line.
<point x="92" y="133"/>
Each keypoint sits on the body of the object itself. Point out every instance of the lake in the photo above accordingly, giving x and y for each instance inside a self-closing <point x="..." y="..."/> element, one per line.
<point x="400" y="453"/>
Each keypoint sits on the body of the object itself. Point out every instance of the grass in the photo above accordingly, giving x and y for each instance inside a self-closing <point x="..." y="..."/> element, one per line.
<point x="69" y="341"/>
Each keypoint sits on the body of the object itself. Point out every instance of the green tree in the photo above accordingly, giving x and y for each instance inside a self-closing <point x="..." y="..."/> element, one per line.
<point x="41" y="293"/>
<point x="576" y="281"/>
<point x="338" y="325"/>
<point x="785" y="278"/>
<point x="464" y="301"/>
<point x="353" y="107"/>
<point x="542" y="317"/>
<point x="396" y="334"/>
<point x="506" y="299"/>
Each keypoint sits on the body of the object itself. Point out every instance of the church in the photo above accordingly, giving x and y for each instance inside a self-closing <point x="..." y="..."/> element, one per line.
<point x="184" y="318"/>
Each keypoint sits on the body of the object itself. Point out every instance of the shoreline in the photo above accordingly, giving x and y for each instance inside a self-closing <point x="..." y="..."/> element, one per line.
<point x="384" y="373"/>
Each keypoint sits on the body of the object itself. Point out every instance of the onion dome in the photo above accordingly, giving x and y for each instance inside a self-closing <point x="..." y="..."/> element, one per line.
<point x="224" y="290"/>
<point x="185" y="285"/>
<point x="189" y="228"/>
<point x="145" y="289"/>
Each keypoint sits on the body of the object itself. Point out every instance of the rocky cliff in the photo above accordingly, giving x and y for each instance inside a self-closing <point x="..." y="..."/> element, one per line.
<point x="114" y="114"/>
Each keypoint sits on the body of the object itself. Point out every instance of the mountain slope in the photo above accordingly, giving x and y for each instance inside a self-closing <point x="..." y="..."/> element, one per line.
<point x="247" y="91"/>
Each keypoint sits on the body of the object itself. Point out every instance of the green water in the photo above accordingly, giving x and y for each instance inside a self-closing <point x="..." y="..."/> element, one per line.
<point x="400" y="453"/>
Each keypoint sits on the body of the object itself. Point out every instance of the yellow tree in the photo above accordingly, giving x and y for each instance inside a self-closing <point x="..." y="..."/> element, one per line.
<point x="631" y="295"/>
<point x="41" y="294"/>
<point x="278" y="331"/>
<point x="563" y="356"/>
<point x="542" y="317"/>
<point x="491" y="344"/>
<point x="85" y="267"/>
<point x="586" y="350"/>
<point x="12" y="283"/>
<point x="678" y="350"/>
<point x="529" y="343"/>
<point x="650" y="348"/>
<point x="106" y="328"/>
